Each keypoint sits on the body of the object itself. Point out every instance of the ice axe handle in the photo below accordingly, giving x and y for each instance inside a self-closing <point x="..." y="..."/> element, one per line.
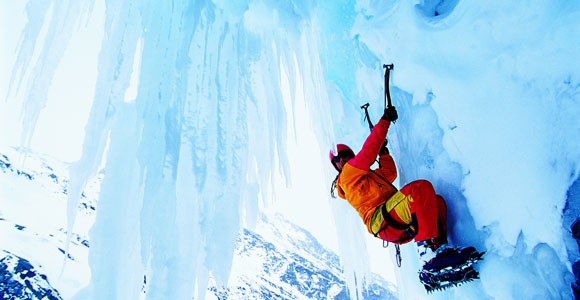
<point x="388" y="69"/>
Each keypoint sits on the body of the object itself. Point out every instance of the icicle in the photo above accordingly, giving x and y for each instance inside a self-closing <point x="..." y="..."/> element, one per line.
<point x="64" y="19"/>
<point x="115" y="68"/>
<point x="36" y="12"/>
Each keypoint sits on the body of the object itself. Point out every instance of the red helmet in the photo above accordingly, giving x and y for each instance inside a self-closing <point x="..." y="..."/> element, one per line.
<point x="342" y="150"/>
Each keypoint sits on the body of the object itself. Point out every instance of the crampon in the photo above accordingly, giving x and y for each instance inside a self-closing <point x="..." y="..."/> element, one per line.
<point x="450" y="276"/>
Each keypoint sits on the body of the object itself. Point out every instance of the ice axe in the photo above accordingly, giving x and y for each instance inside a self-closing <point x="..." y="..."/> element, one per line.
<point x="388" y="69"/>
<point x="366" y="108"/>
<point x="368" y="119"/>
<point x="388" y="102"/>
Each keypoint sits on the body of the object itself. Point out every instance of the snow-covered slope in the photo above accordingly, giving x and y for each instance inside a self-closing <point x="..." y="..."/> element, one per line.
<point x="275" y="260"/>
<point x="32" y="219"/>
<point x="20" y="280"/>
<point x="279" y="260"/>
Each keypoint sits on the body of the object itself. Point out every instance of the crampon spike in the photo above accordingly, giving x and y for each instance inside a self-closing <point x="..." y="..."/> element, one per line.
<point x="437" y="280"/>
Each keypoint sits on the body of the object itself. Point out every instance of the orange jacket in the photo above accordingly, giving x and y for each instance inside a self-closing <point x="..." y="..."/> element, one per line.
<point x="364" y="189"/>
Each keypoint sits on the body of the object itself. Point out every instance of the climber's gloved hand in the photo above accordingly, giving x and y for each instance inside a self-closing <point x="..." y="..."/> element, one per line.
<point x="384" y="149"/>
<point x="390" y="114"/>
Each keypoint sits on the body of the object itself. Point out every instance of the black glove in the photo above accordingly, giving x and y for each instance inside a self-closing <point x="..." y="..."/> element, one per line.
<point x="384" y="149"/>
<point x="390" y="114"/>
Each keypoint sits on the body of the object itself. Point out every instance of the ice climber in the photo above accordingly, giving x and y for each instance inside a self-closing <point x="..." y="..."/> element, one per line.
<point x="397" y="216"/>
